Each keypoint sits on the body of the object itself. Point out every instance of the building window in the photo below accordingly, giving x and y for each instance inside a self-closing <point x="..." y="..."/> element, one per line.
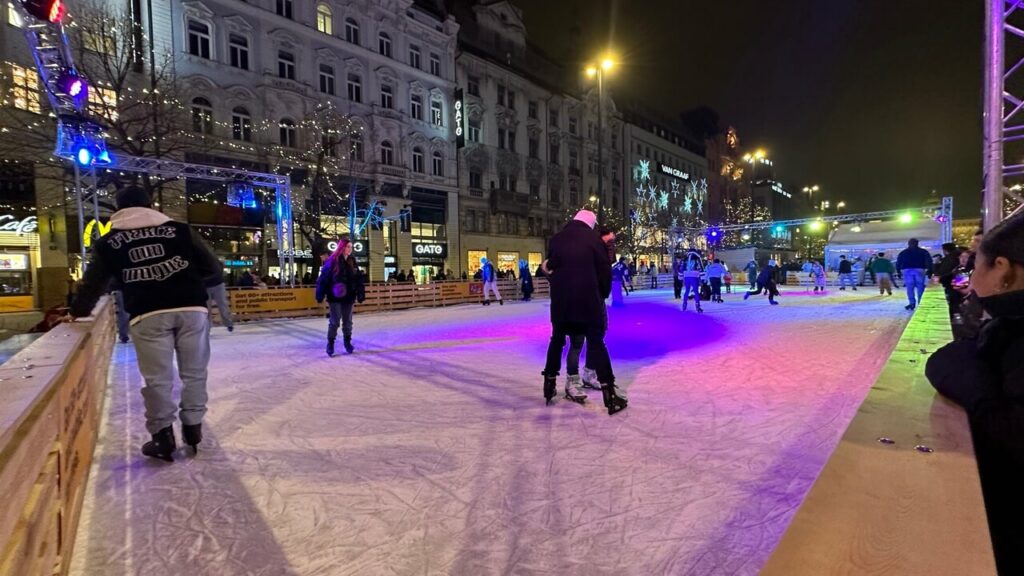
<point x="324" y="19"/>
<point x="534" y="148"/>
<point x="615" y="141"/>
<point x="535" y="191"/>
<point x="356" y="151"/>
<point x="473" y="85"/>
<point x="241" y="124"/>
<point x="511" y="99"/>
<point x="351" y="31"/>
<point x="574" y="162"/>
<point x="284" y="8"/>
<point x="355" y="88"/>
<point x="476" y="180"/>
<point x="327" y="79"/>
<point x="512" y="140"/>
<point x="286" y="131"/>
<point x="387" y="153"/>
<point x="474" y="130"/>
<point x="330" y="146"/>
<point x="387" y="97"/>
<point x="238" y="51"/>
<point x="202" y="116"/>
<point x="435" y="64"/>
<point x="501" y="95"/>
<point x="502" y="138"/>
<point x="285" y="65"/>
<point x="384" y="44"/>
<point x="531" y="110"/>
<point x="417" y="160"/>
<point x="103" y="103"/>
<point x="414" y="56"/>
<point x="572" y="125"/>
<point x="416" y="107"/>
<point x="553" y="118"/>
<point x="553" y="154"/>
<point x="25" y="88"/>
<point x="436" y="113"/>
<point x="438" y="164"/>
<point x="198" y="39"/>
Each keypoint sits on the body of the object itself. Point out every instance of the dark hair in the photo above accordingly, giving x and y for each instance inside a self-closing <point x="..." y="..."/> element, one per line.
<point x="912" y="242"/>
<point x="881" y="254"/>
<point x="1005" y="240"/>
<point x="132" y="197"/>
<point x="604" y="231"/>
<point x="949" y="247"/>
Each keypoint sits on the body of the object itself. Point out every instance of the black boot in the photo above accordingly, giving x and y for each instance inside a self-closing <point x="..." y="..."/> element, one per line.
<point x="348" y="345"/>
<point x="162" y="445"/>
<point x="550" y="383"/>
<point x="612" y="401"/>
<point x="192" y="435"/>
<point x="330" y="347"/>
<point x="501" y="302"/>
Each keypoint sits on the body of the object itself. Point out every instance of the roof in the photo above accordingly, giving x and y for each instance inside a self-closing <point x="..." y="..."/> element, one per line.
<point x="886" y="234"/>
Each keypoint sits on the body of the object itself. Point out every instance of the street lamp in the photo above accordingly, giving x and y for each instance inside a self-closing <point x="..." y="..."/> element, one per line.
<point x="598" y="70"/>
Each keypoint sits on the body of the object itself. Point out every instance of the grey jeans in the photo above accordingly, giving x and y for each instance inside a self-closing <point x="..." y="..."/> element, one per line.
<point x="159" y="339"/>
<point x="340" y="313"/>
<point x="220" y="295"/>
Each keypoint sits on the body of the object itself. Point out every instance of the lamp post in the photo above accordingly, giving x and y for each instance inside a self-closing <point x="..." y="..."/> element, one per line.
<point x="598" y="71"/>
<point x="810" y="190"/>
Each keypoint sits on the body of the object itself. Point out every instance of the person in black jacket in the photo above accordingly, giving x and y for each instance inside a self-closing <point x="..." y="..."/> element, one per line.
<point x="341" y="283"/>
<point x="162" y="267"/>
<point x="985" y="375"/>
<point x="580" y="281"/>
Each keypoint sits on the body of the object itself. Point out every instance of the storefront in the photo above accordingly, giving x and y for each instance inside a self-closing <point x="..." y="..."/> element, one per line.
<point x="508" y="261"/>
<point x="19" y="258"/>
<point x="428" y="258"/>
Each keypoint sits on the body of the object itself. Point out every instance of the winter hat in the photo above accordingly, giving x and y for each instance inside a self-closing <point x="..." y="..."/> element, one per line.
<point x="132" y="197"/>
<point x="483" y="260"/>
<point x="772" y="263"/>
<point x="587" y="217"/>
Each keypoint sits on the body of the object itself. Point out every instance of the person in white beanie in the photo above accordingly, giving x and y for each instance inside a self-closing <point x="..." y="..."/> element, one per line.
<point x="580" y="282"/>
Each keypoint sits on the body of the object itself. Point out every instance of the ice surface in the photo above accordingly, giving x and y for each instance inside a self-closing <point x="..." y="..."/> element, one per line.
<point x="430" y="451"/>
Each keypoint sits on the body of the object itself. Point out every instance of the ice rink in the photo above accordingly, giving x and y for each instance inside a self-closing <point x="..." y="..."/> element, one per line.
<point x="431" y="451"/>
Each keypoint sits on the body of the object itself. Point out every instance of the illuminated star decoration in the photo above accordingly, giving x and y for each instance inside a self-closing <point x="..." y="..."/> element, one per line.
<point x="652" y="193"/>
<point x="675" y="189"/>
<point x="641" y="193"/>
<point x="645" y="170"/>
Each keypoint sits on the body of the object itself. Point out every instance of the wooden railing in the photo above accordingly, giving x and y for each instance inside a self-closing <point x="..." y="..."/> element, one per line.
<point x="900" y="494"/>
<point x="50" y="399"/>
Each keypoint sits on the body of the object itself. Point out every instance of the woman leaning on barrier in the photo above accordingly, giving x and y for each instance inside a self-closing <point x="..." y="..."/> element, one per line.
<point x="985" y="375"/>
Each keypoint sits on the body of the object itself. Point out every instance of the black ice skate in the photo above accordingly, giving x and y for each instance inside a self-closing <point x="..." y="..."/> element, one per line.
<point x="612" y="401"/>
<point x="162" y="445"/>
<point x="501" y="302"/>
<point x="550" y="382"/>
<point x="348" y="345"/>
<point x="330" y="347"/>
<point x="573" y="389"/>
<point x="192" y="435"/>
<point x="485" y="302"/>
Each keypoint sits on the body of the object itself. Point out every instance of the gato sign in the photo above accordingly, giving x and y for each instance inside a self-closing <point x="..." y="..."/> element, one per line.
<point x="424" y="250"/>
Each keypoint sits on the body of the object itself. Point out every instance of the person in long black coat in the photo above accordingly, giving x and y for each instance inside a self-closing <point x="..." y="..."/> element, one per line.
<point x="985" y="375"/>
<point x="580" y="282"/>
<point x="526" y="280"/>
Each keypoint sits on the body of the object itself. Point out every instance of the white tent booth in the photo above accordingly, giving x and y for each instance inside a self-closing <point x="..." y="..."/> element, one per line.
<point x="864" y="240"/>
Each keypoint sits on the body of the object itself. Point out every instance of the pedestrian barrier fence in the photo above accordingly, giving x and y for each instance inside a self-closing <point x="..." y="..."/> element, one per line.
<point x="51" y="396"/>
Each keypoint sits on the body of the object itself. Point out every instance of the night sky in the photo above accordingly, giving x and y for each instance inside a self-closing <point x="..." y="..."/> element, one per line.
<point x="876" y="101"/>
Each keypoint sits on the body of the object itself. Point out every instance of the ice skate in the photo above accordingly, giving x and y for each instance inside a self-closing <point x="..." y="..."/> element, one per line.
<point x="589" y="378"/>
<point x="550" y="382"/>
<point x="699" y="309"/>
<point x="501" y="302"/>
<point x="348" y="345"/>
<point x="330" y="347"/>
<point x="612" y="401"/>
<point x="192" y="435"/>
<point x="162" y="445"/>
<point x="573" y="389"/>
<point x="773" y="302"/>
<point x="485" y="302"/>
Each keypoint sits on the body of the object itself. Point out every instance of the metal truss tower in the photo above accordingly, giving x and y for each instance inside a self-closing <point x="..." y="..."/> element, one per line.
<point x="1003" y="153"/>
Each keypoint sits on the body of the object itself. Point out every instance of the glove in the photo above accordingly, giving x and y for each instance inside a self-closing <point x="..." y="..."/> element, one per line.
<point x="361" y="298"/>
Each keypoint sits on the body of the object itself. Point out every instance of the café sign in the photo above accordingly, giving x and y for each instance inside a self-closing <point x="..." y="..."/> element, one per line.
<point x="20" y="226"/>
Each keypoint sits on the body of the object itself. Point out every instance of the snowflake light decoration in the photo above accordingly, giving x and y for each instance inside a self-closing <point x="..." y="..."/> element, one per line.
<point x="663" y="200"/>
<point x="688" y="204"/>
<point x="645" y="170"/>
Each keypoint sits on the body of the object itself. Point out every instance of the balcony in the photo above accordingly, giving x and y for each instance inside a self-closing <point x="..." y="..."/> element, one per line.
<point x="511" y="202"/>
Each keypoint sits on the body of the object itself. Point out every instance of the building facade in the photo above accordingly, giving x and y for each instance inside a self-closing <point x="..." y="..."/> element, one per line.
<point x="530" y="158"/>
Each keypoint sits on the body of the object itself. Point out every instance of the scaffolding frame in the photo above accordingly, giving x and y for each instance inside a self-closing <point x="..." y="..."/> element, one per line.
<point x="1003" y="114"/>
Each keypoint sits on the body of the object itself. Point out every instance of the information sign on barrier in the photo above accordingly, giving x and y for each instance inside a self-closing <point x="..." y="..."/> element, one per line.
<point x="248" y="301"/>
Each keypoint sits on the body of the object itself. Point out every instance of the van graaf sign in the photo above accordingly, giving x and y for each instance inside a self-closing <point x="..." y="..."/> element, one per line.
<point x="425" y="250"/>
<point x="20" y="226"/>
<point x="674" y="172"/>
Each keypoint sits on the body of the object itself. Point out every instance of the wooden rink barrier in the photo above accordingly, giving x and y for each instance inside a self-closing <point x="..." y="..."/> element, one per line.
<point x="50" y="404"/>
<point x="884" y="503"/>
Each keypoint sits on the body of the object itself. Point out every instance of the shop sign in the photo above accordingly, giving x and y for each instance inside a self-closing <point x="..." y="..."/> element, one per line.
<point x="460" y="118"/>
<point x="359" y="247"/>
<point x="673" y="172"/>
<point x="94" y="226"/>
<point x="389" y="260"/>
<point x="20" y="226"/>
<point x="298" y="254"/>
<point x="430" y="250"/>
<point x="236" y="263"/>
